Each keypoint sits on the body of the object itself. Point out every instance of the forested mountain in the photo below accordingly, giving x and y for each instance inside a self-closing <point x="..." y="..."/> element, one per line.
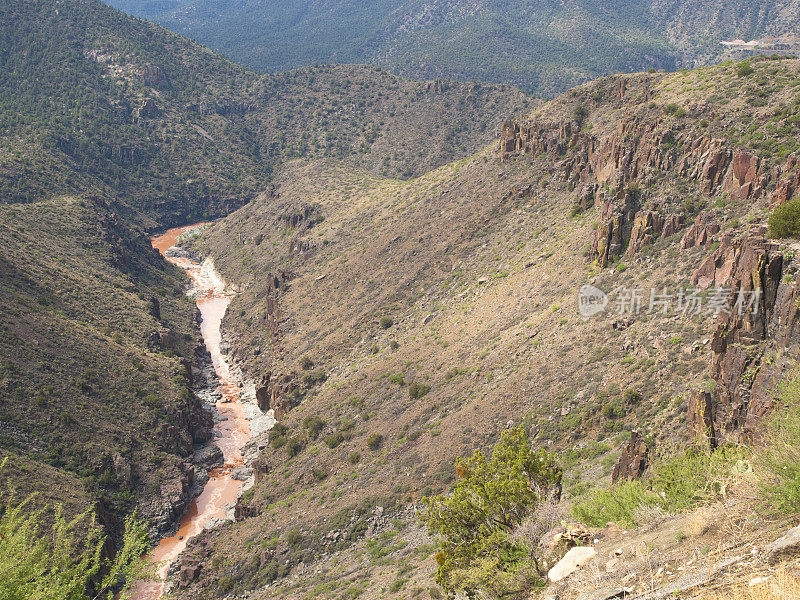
<point x="92" y="100"/>
<point x="542" y="47"/>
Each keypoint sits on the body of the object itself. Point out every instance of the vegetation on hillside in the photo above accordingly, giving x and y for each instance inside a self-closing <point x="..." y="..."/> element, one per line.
<point x="87" y="390"/>
<point x="477" y="264"/>
<point x="476" y="520"/>
<point x="92" y="100"/>
<point x="50" y="555"/>
<point x="462" y="39"/>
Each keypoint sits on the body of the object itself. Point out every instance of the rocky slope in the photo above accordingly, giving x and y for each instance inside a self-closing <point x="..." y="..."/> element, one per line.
<point x="396" y="325"/>
<point x="97" y="352"/>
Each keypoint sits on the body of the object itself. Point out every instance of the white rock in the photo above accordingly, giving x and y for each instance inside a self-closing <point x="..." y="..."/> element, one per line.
<point x="571" y="562"/>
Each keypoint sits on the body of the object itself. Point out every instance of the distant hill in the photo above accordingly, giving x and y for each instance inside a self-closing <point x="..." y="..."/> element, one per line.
<point x="92" y="100"/>
<point x="542" y="47"/>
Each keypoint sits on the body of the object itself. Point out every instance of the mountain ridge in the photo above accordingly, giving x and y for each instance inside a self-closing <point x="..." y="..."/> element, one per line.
<point x="478" y="40"/>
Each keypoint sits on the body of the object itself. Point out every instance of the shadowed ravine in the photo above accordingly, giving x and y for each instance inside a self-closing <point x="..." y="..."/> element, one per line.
<point x="232" y="429"/>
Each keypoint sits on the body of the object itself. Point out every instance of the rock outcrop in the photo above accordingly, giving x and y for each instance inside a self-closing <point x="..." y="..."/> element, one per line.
<point x="758" y="314"/>
<point x="164" y="509"/>
<point x="705" y="227"/>
<point x="152" y="75"/>
<point x="277" y="392"/>
<point x="605" y="168"/>
<point x="633" y="461"/>
<point x="148" y="110"/>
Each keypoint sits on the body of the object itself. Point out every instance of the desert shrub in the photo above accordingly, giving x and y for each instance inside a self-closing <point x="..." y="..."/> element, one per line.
<point x="580" y="113"/>
<point x="686" y="480"/>
<point x="394" y="345"/>
<point x="294" y="537"/>
<point x="277" y="435"/>
<point x="354" y="458"/>
<point x="386" y="322"/>
<point x="374" y="441"/>
<point x="397" y="379"/>
<point x="52" y="557"/>
<point x="314" y="377"/>
<point x="417" y="390"/>
<point x="618" y="504"/>
<point x="294" y="446"/>
<point x="784" y="222"/>
<point x="613" y="410"/>
<point x="744" y="69"/>
<point x="306" y="363"/>
<point x="632" y="397"/>
<point x="780" y="461"/>
<point x="334" y="439"/>
<point x="313" y="425"/>
<point x="474" y="524"/>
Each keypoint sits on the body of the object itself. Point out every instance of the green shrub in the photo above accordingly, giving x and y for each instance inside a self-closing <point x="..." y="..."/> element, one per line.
<point x="306" y="363"/>
<point x="580" y="113"/>
<point x="294" y="446"/>
<point x="784" y="222"/>
<point x="51" y="557"/>
<point x="294" y="537"/>
<point x="632" y="397"/>
<point x="386" y="322"/>
<point x="334" y="439"/>
<point x="780" y="461"/>
<point x="314" y="425"/>
<point x="417" y="390"/>
<point x="744" y="69"/>
<point x="397" y="379"/>
<point x="314" y="377"/>
<point x="613" y="410"/>
<point x="618" y="504"/>
<point x="686" y="480"/>
<point x="475" y="523"/>
<point x="277" y="435"/>
<point x="374" y="441"/>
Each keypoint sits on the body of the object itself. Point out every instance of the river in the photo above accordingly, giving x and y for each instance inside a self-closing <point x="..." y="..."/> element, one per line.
<point x="232" y="429"/>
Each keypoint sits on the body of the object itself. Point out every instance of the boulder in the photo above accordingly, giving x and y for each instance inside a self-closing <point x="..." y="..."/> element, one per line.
<point x="572" y="561"/>
<point x="209" y="455"/>
<point x="787" y="546"/>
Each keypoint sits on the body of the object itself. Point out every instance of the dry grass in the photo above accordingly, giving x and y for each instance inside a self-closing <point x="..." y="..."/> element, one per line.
<point x="782" y="585"/>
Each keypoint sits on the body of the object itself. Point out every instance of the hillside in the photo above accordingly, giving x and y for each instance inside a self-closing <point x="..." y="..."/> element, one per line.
<point x="474" y="41"/>
<point x="111" y="127"/>
<point x="393" y="326"/>
<point x="96" y="350"/>
<point x="94" y="101"/>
